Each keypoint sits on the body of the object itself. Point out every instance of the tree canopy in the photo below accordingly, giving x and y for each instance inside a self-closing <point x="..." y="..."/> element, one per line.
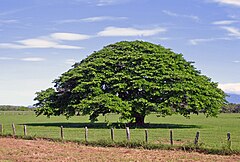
<point x="132" y="79"/>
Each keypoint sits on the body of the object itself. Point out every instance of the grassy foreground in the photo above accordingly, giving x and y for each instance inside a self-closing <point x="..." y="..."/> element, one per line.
<point x="213" y="131"/>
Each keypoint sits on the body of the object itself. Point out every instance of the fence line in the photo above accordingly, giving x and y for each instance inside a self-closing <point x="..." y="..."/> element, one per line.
<point x="146" y="133"/>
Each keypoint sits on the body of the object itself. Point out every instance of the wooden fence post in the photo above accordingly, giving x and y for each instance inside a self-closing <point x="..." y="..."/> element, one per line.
<point x="146" y="135"/>
<point x="62" y="133"/>
<point x="196" y="138"/>
<point x="229" y="143"/>
<point x="128" y="133"/>
<point x="25" y="130"/>
<point x="228" y="136"/>
<point x="112" y="134"/>
<point x="86" y="134"/>
<point x="1" y="129"/>
<point x="171" y="137"/>
<point x="14" y="129"/>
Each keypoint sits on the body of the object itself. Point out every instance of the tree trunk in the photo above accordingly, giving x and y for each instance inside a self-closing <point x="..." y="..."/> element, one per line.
<point x="139" y="119"/>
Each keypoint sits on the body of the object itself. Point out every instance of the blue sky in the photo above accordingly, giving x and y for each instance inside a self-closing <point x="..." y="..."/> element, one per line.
<point x="41" y="39"/>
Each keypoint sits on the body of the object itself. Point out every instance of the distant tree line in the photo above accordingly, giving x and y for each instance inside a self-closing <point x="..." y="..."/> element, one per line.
<point x="14" y="108"/>
<point x="231" y="108"/>
<point x="227" y="108"/>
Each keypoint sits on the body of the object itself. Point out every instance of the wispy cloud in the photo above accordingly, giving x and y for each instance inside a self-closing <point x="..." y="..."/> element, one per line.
<point x="236" y="61"/>
<point x="6" y="58"/>
<point x="116" y="31"/>
<point x="164" y="38"/>
<point x="232" y="31"/>
<point x="10" y="12"/>
<point x="11" y="46"/>
<point x="29" y="59"/>
<point x="42" y="43"/>
<point x="70" y="61"/>
<point x="33" y="59"/>
<point x="102" y="18"/>
<point x="104" y="2"/>
<point x="50" y="41"/>
<point x="92" y="19"/>
<point x="202" y="40"/>
<point x="69" y="36"/>
<point x="173" y="14"/>
<point x="37" y="43"/>
<point x="110" y="2"/>
<point x="224" y="22"/>
<point x="10" y="21"/>
<point x="230" y="87"/>
<point x="228" y="2"/>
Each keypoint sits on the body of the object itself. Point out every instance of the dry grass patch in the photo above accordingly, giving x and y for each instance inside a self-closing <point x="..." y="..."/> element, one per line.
<point x="41" y="150"/>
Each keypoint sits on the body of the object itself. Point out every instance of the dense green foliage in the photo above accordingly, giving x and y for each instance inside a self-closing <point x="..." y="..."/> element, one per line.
<point x="14" y="108"/>
<point x="132" y="79"/>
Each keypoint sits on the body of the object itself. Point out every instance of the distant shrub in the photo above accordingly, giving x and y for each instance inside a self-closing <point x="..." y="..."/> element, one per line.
<point x="14" y="108"/>
<point x="231" y="108"/>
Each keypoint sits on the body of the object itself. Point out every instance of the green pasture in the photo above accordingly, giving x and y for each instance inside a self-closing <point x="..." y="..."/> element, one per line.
<point x="213" y="131"/>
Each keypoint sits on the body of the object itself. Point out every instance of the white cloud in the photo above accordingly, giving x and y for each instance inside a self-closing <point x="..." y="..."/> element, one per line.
<point x="30" y="59"/>
<point x="37" y="43"/>
<point x="33" y="59"/>
<point x="202" y="40"/>
<point x="70" y="61"/>
<point x="224" y="22"/>
<point x="169" y="13"/>
<point x="69" y="36"/>
<point x="42" y="43"/>
<point x="11" y="46"/>
<point x="31" y="43"/>
<point x="235" y="32"/>
<point x="230" y="87"/>
<point x="197" y="41"/>
<point x="102" y="18"/>
<point x="115" y="31"/>
<point x="229" y="2"/>
<point x="50" y="41"/>
<point x="92" y="19"/>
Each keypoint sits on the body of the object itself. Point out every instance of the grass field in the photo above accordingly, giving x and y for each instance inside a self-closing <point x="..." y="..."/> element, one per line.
<point x="213" y="131"/>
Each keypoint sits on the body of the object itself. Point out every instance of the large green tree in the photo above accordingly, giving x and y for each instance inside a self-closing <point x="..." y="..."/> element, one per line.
<point x="132" y="79"/>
